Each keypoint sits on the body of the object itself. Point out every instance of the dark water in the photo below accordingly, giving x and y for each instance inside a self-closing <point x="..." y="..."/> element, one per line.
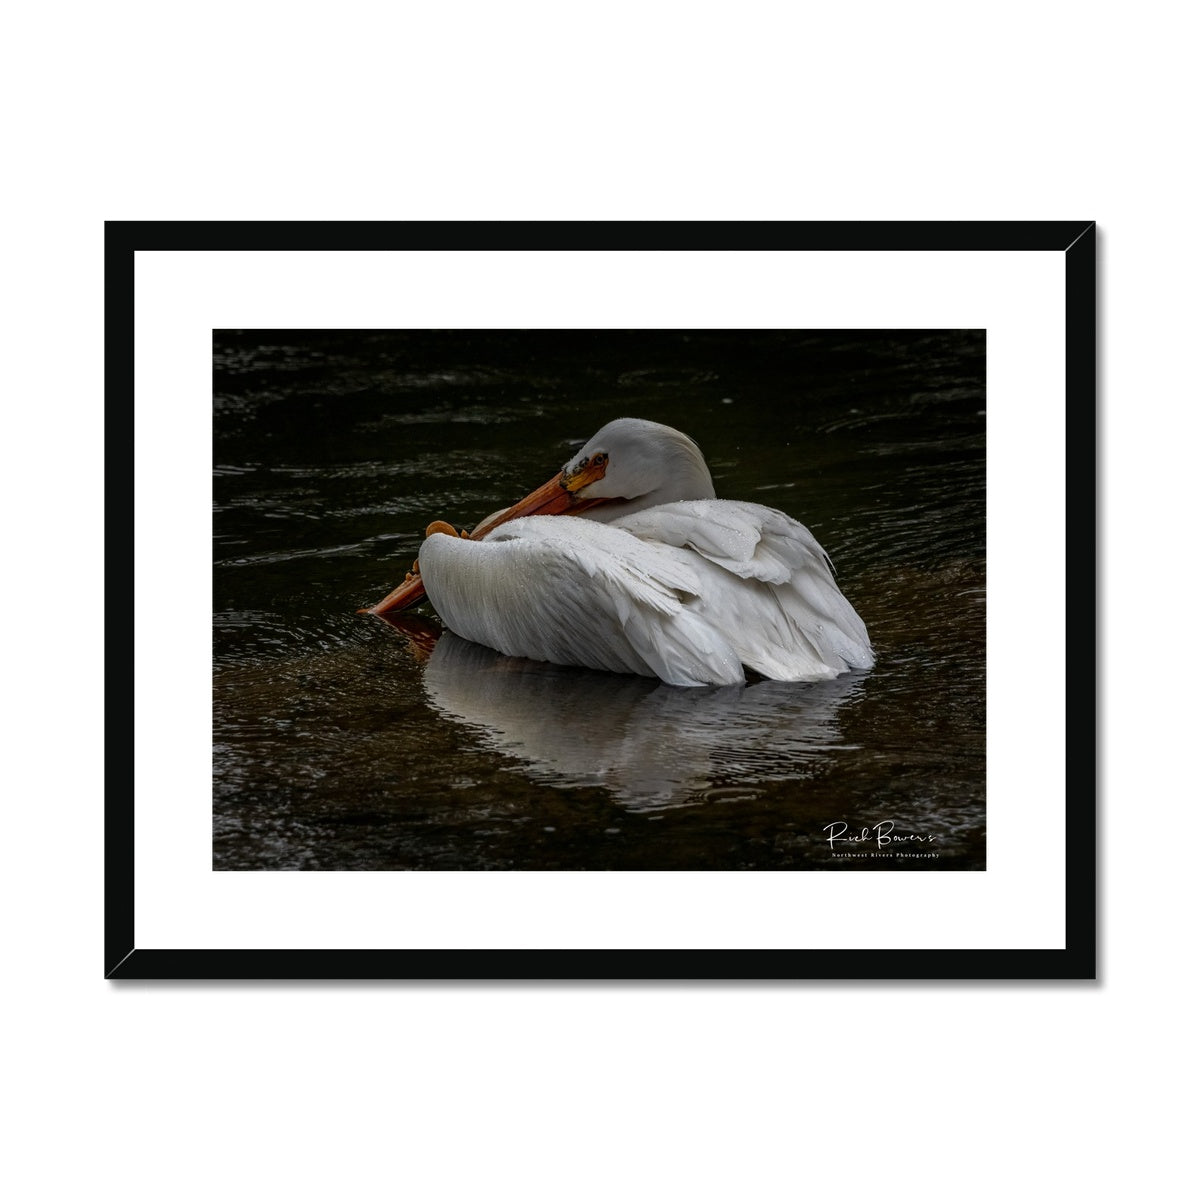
<point x="342" y="742"/>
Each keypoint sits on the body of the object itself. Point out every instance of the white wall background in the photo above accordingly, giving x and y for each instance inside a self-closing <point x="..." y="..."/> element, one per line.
<point x="648" y="110"/>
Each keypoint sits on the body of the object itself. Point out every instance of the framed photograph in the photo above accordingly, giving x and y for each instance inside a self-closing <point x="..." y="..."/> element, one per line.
<point x="656" y="600"/>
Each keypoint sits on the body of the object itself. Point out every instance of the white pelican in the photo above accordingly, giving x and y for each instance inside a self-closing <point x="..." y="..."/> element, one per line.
<point x="641" y="570"/>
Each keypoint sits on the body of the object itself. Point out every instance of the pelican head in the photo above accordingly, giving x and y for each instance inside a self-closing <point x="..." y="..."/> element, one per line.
<point x="639" y="462"/>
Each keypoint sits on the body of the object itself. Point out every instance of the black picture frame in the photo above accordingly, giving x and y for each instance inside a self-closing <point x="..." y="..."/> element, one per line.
<point x="1076" y="960"/>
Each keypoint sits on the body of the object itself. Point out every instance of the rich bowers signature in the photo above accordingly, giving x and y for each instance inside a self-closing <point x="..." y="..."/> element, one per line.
<point x="881" y="834"/>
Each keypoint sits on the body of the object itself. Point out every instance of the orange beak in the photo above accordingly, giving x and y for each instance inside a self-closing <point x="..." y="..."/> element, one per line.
<point x="551" y="499"/>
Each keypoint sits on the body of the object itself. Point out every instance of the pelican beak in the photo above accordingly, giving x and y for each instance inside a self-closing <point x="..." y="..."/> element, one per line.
<point x="555" y="497"/>
<point x="588" y="472"/>
<point x="410" y="592"/>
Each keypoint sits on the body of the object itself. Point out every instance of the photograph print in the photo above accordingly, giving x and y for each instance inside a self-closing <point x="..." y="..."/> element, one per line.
<point x="562" y="600"/>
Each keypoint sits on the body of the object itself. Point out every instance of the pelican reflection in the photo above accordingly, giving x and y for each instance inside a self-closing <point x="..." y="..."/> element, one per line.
<point x="650" y="744"/>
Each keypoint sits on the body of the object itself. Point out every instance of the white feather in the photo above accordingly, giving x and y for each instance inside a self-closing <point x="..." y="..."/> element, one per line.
<point x="563" y="590"/>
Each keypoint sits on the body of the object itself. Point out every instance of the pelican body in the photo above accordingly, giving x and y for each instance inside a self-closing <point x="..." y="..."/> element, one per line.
<point x="627" y="562"/>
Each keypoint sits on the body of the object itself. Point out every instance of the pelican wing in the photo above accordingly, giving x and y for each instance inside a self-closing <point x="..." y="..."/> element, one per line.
<point x="766" y="582"/>
<point x="576" y="592"/>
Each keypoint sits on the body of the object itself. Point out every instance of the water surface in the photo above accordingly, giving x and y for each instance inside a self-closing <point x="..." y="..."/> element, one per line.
<point x="346" y="742"/>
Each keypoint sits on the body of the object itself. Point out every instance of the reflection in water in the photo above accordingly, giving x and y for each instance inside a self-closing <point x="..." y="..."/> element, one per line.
<point x="650" y="744"/>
